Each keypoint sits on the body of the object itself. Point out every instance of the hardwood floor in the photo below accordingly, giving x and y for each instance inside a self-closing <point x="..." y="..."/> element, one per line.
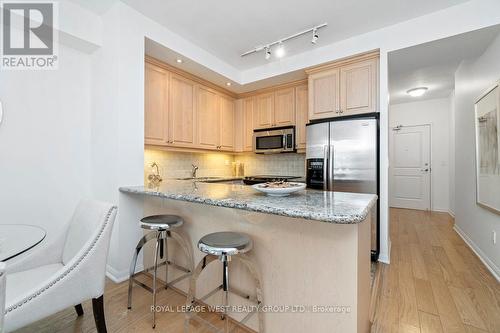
<point x="119" y="319"/>
<point x="434" y="283"/>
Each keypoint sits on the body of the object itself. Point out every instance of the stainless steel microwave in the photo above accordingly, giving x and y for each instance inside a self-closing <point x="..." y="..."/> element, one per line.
<point x="274" y="140"/>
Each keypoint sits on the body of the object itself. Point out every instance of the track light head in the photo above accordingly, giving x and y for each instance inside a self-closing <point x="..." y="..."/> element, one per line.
<point x="268" y="53"/>
<point x="315" y="37"/>
<point x="280" y="50"/>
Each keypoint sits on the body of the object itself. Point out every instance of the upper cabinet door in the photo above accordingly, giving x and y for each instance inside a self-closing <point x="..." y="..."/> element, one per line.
<point x="208" y="118"/>
<point x="182" y="112"/>
<point x="324" y="94"/>
<point x="155" y="105"/>
<point x="359" y="87"/>
<point x="284" y="107"/>
<point x="301" y="106"/>
<point x="264" y="112"/>
<point x="248" y="123"/>
<point x="226" y="106"/>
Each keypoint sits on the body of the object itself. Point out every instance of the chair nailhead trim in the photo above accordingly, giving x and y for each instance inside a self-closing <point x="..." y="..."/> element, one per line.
<point x="66" y="272"/>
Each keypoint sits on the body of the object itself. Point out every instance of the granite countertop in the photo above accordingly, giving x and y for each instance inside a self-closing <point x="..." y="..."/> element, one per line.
<point x="331" y="207"/>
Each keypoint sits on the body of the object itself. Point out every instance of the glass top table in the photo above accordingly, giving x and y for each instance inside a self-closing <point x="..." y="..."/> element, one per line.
<point x="16" y="239"/>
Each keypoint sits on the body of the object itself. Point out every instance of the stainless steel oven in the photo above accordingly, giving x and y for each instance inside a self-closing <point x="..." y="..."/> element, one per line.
<point x="274" y="140"/>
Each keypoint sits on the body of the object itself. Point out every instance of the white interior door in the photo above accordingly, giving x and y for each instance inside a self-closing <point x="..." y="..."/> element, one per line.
<point x="410" y="167"/>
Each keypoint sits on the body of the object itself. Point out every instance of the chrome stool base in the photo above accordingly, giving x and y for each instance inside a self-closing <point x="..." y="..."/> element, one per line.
<point x="161" y="250"/>
<point x="221" y="255"/>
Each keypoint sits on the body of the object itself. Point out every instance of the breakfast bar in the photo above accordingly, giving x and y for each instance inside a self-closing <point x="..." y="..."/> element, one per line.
<point x="312" y="248"/>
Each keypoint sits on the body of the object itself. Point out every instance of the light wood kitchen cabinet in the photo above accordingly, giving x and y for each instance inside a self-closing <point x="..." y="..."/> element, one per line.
<point x="358" y="87"/>
<point x="155" y="105"/>
<point x="208" y="116"/>
<point x="324" y="94"/>
<point x="343" y="88"/>
<point x="264" y="111"/>
<point x="226" y="107"/>
<point x="301" y="108"/>
<point x="248" y="123"/>
<point x="284" y="107"/>
<point x="182" y="114"/>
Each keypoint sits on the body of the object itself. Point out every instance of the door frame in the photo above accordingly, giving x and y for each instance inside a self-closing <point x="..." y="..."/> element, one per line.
<point x="391" y="142"/>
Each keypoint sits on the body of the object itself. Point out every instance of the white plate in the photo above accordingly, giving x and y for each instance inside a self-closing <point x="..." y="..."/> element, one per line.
<point x="280" y="192"/>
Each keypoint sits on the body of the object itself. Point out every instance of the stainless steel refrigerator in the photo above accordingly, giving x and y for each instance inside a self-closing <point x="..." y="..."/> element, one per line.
<point x="342" y="155"/>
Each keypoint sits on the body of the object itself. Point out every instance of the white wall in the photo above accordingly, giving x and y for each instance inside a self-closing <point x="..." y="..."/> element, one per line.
<point x="475" y="223"/>
<point x="435" y="112"/>
<point x="451" y="158"/>
<point x="45" y="142"/>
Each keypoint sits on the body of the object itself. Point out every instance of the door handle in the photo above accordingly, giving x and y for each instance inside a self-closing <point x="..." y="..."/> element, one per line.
<point x="325" y="167"/>
<point x="425" y="170"/>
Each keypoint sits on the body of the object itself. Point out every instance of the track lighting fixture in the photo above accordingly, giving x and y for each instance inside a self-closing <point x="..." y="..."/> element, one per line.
<point x="280" y="50"/>
<point x="315" y="36"/>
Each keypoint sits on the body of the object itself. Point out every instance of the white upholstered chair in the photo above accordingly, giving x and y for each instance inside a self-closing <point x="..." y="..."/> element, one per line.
<point x="65" y="272"/>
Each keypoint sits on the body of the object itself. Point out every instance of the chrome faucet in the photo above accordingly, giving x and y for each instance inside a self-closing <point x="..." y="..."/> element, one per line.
<point x="154" y="178"/>
<point x="193" y="170"/>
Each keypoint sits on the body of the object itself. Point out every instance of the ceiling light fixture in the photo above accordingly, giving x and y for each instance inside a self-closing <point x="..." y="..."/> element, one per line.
<point x="416" y="92"/>
<point x="179" y="60"/>
<point x="268" y="53"/>
<point x="267" y="47"/>
<point x="228" y="84"/>
<point x="315" y="37"/>
<point x="280" y="51"/>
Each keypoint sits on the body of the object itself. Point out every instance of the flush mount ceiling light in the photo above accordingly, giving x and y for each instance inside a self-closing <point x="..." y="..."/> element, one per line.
<point x="280" y="51"/>
<point x="228" y="84"/>
<point x="179" y="60"/>
<point x="416" y="92"/>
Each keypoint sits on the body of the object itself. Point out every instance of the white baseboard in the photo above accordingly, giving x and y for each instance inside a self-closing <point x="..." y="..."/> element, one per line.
<point x="490" y="265"/>
<point x="115" y="275"/>
<point x="384" y="257"/>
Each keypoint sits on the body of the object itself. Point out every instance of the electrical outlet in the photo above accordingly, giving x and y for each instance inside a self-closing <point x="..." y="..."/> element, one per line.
<point x="494" y="237"/>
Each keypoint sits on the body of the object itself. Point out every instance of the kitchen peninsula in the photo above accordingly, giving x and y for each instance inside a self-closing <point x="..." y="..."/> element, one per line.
<point x="312" y="248"/>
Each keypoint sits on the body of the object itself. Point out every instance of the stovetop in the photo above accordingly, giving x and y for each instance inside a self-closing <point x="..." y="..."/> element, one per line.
<point x="251" y="180"/>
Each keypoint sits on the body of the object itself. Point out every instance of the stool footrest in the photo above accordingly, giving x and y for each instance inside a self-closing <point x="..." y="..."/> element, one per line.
<point x="169" y="284"/>
<point x="243" y="295"/>
<point x="213" y="292"/>
<point x="173" y="264"/>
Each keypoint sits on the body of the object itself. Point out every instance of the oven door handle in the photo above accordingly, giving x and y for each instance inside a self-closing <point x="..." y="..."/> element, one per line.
<point x="284" y="141"/>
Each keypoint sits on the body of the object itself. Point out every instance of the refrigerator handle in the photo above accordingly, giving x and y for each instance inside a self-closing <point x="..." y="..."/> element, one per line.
<point x="325" y="167"/>
<point x="331" y="164"/>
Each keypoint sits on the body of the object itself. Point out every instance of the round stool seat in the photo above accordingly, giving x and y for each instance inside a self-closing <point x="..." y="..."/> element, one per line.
<point x="161" y="222"/>
<point x="225" y="243"/>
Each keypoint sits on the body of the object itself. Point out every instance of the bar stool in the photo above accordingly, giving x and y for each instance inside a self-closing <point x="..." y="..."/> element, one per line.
<point x="223" y="246"/>
<point x="162" y="227"/>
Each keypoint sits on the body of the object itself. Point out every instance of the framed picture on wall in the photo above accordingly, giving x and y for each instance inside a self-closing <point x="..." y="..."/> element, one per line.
<point x="487" y="122"/>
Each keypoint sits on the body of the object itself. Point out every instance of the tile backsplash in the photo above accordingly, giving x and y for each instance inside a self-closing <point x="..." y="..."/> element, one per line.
<point x="178" y="164"/>
<point x="273" y="164"/>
